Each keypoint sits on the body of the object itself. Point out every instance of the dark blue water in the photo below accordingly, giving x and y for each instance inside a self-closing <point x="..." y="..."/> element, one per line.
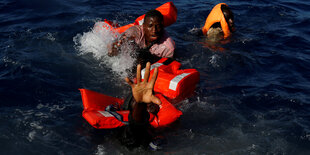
<point x="253" y="96"/>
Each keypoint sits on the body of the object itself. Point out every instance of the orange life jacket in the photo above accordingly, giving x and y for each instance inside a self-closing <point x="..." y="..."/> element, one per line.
<point x="96" y="115"/>
<point x="173" y="82"/>
<point x="215" y="16"/>
<point x="168" y="10"/>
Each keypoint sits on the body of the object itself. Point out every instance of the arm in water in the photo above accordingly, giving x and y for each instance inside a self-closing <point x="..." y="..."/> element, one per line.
<point x="114" y="48"/>
<point x="143" y="93"/>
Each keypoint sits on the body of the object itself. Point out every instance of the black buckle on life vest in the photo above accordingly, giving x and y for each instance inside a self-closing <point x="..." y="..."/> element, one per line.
<point x="168" y="61"/>
<point x="112" y="110"/>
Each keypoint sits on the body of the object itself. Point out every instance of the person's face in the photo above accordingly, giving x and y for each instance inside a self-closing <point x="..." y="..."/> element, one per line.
<point x="153" y="29"/>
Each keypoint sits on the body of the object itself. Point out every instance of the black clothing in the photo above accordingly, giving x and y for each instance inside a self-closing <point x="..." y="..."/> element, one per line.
<point x="135" y="134"/>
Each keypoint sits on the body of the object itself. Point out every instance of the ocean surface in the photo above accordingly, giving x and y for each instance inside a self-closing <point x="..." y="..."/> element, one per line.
<point x="253" y="96"/>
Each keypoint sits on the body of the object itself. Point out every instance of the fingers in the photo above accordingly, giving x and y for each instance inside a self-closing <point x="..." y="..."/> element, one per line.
<point x="156" y="100"/>
<point x="147" y="71"/>
<point x="128" y="81"/>
<point x="138" y="73"/>
<point x="154" y="76"/>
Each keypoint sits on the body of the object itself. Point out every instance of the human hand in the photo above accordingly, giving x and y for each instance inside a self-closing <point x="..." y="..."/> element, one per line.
<point x="143" y="91"/>
<point x="114" y="48"/>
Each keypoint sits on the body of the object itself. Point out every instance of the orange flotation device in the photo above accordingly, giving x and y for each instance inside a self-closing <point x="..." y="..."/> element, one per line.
<point x="168" y="10"/>
<point x="96" y="115"/>
<point x="173" y="82"/>
<point x="215" y="16"/>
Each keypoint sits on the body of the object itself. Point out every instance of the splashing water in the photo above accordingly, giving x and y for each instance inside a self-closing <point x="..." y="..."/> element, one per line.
<point x="100" y="150"/>
<point x="96" y="42"/>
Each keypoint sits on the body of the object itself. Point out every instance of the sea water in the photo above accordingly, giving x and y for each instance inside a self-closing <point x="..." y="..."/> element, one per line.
<point x="252" y="98"/>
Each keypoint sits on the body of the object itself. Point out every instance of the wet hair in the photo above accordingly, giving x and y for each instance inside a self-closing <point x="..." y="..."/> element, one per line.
<point x="227" y="12"/>
<point x="154" y="13"/>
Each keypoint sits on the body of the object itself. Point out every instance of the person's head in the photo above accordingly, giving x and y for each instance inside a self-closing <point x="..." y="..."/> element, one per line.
<point x="153" y="26"/>
<point x="229" y="16"/>
<point x="220" y="17"/>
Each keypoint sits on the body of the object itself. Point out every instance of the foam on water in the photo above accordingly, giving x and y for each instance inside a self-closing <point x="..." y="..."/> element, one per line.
<point x="100" y="150"/>
<point x="96" y="42"/>
<point x="252" y="97"/>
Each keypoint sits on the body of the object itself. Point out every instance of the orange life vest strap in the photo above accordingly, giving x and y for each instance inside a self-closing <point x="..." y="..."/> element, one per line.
<point x="168" y="10"/>
<point x="99" y="115"/>
<point x="216" y="15"/>
<point x="166" y="115"/>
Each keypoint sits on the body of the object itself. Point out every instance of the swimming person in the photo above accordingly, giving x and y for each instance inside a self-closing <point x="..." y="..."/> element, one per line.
<point x="219" y="23"/>
<point x="150" y="39"/>
<point x="140" y="103"/>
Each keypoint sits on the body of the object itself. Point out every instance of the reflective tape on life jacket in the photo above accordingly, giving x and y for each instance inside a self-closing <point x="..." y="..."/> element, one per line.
<point x="215" y="16"/>
<point x="171" y="81"/>
<point x="99" y="116"/>
<point x="175" y="81"/>
<point x="168" y="10"/>
<point x="153" y="66"/>
<point x="105" y="113"/>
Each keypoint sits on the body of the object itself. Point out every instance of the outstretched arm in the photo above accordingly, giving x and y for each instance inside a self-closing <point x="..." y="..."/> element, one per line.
<point x="114" y="48"/>
<point x="143" y="92"/>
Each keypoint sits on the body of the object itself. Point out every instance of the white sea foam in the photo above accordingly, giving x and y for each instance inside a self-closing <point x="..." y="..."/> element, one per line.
<point x="31" y="136"/>
<point x="214" y="60"/>
<point x="100" y="150"/>
<point x="96" y="42"/>
<point x="194" y="30"/>
<point x="50" y="36"/>
<point x="36" y="125"/>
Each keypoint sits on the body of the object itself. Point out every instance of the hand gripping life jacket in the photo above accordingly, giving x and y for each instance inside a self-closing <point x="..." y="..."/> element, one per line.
<point x="168" y="10"/>
<point x="96" y="111"/>
<point x="215" y="16"/>
<point x="173" y="82"/>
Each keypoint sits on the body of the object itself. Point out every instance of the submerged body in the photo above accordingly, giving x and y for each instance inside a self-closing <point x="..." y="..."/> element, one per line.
<point x="219" y="23"/>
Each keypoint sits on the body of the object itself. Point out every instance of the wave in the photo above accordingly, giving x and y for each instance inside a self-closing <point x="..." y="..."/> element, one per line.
<point x="96" y="42"/>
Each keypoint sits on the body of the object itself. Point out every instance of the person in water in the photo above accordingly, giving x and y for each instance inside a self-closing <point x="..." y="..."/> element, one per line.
<point x="150" y="39"/>
<point x="219" y="23"/>
<point x="140" y="102"/>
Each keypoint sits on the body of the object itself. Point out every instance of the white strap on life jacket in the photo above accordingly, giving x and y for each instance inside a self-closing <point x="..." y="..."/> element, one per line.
<point x="105" y="114"/>
<point x="175" y="81"/>
<point x="152" y="67"/>
<point x="141" y="21"/>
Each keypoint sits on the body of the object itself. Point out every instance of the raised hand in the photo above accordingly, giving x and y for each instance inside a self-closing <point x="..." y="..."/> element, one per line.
<point x="143" y="91"/>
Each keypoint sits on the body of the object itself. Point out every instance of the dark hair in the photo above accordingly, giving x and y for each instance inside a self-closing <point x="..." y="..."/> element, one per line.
<point x="154" y="13"/>
<point x="227" y="12"/>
